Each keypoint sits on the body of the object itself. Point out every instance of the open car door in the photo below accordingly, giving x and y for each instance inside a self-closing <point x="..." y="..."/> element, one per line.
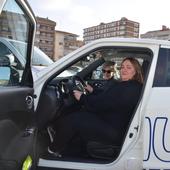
<point x="16" y="88"/>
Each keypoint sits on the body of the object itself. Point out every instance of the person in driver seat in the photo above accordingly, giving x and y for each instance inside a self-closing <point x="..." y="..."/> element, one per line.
<point x="108" y="71"/>
<point x="105" y="116"/>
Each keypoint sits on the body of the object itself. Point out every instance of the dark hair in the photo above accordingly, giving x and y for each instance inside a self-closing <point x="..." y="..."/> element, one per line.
<point x="109" y="64"/>
<point x="139" y="74"/>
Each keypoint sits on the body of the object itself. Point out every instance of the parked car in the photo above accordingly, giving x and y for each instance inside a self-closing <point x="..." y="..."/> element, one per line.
<point x="29" y="108"/>
<point x="16" y="50"/>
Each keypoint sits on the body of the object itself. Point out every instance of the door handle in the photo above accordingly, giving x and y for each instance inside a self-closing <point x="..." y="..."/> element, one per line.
<point x="29" y="102"/>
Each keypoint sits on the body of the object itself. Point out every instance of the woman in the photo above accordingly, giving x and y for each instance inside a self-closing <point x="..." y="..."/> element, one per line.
<point x="108" y="70"/>
<point x="106" y="115"/>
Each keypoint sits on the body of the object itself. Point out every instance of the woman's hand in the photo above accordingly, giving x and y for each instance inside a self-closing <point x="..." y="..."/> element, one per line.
<point x="77" y="94"/>
<point x="89" y="88"/>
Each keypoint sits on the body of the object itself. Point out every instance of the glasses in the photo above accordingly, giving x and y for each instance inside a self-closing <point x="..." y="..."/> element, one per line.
<point x="106" y="71"/>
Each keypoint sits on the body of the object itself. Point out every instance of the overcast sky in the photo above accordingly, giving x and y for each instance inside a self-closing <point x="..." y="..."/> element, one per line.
<point x="75" y="15"/>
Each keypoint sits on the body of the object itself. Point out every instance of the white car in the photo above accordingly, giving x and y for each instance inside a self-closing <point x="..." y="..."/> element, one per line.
<point x="16" y="50"/>
<point x="29" y="108"/>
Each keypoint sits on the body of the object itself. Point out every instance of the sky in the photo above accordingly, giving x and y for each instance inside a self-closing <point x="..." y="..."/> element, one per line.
<point x="75" y="15"/>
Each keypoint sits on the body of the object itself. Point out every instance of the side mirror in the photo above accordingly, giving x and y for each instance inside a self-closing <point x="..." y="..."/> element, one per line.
<point x="8" y="74"/>
<point x="4" y="70"/>
<point x="5" y="73"/>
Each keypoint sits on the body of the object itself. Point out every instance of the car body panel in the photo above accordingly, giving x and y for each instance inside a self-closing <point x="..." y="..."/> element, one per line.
<point x="146" y="144"/>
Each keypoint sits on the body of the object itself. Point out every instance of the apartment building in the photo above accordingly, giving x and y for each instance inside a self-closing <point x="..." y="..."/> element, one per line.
<point x="120" y="28"/>
<point x="162" y="34"/>
<point x="45" y="36"/>
<point x="65" y="43"/>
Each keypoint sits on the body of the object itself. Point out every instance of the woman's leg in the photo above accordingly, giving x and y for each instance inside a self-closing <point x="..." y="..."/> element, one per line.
<point x="63" y="133"/>
<point x="89" y="126"/>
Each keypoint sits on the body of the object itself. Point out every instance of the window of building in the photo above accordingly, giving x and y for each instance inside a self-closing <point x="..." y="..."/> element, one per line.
<point x="136" y="29"/>
<point x="121" y="32"/>
<point x="135" y="34"/>
<point x="122" y="27"/>
<point x="113" y="24"/>
<point x="4" y="28"/>
<point x="136" y="24"/>
<point x="123" y="22"/>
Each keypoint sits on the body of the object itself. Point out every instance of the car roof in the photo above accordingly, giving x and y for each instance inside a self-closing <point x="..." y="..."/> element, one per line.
<point x="132" y="40"/>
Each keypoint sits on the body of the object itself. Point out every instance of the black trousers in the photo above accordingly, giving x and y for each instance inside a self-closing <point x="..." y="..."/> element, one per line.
<point x="88" y="126"/>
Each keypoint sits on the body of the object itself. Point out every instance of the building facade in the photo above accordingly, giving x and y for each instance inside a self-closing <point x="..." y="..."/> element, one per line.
<point x="65" y="43"/>
<point x="120" y="28"/>
<point x="45" y="36"/>
<point x="163" y="34"/>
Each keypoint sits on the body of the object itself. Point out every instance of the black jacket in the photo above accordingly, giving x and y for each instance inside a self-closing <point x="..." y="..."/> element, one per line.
<point x="116" y="104"/>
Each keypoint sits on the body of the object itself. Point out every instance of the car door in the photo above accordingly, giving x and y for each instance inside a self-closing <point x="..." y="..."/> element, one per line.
<point x="16" y="89"/>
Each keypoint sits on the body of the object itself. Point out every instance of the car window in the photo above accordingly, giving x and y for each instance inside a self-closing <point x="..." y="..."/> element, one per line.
<point x="88" y="65"/>
<point x="80" y="65"/>
<point x="10" y="15"/>
<point x="162" y="72"/>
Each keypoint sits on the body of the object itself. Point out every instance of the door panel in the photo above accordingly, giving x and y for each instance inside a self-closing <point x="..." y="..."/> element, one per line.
<point x="15" y="106"/>
<point x="15" y="116"/>
<point x="16" y="85"/>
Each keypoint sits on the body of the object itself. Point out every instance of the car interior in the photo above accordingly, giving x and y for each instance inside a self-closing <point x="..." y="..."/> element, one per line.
<point x="57" y="100"/>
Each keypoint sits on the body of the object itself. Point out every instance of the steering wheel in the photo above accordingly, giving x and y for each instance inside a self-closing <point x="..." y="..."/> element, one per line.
<point x="79" y="84"/>
<point x="67" y="88"/>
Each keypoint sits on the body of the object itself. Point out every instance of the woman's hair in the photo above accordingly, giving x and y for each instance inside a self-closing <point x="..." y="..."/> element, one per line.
<point x="109" y="64"/>
<point x="139" y="74"/>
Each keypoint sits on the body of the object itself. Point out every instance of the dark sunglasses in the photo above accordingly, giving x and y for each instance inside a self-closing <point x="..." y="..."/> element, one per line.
<point x="106" y="71"/>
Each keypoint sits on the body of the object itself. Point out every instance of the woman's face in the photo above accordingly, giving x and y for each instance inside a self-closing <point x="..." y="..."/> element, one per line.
<point x="127" y="71"/>
<point x="107" y="73"/>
